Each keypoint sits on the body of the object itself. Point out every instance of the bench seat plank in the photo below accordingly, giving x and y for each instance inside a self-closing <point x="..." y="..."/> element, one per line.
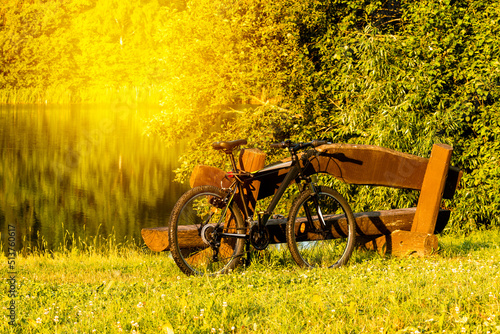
<point x="369" y="224"/>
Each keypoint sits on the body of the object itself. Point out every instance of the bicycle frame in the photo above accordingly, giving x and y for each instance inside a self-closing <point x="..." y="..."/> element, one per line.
<point x="295" y="173"/>
<point x="213" y="227"/>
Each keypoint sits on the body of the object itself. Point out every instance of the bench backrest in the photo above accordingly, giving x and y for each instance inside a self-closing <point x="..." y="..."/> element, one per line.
<point x="373" y="165"/>
<point x="363" y="165"/>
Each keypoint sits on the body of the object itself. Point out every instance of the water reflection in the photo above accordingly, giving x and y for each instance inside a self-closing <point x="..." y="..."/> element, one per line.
<point x="83" y="170"/>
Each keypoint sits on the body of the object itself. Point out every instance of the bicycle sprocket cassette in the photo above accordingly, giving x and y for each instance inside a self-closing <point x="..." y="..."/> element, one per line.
<point x="259" y="237"/>
<point x="206" y="234"/>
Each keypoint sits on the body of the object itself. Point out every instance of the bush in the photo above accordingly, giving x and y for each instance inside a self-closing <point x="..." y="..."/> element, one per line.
<point x="403" y="75"/>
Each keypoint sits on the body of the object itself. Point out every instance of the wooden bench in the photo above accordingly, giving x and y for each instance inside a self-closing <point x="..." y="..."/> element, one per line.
<point x="398" y="232"/>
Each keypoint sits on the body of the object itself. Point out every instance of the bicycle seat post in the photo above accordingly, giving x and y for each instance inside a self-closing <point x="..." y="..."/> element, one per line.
<point x="231" y="158"/>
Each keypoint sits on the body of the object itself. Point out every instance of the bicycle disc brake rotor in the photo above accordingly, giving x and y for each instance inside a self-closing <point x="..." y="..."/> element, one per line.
<point x="259" y="237"/>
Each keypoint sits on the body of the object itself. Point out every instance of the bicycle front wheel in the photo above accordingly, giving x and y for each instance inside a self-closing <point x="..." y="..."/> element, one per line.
<point x="314" y="245"/>
<point x="197" y="212"/>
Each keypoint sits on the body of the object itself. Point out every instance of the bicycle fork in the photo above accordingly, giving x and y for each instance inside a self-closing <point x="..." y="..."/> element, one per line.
<point x="315" y="199"/>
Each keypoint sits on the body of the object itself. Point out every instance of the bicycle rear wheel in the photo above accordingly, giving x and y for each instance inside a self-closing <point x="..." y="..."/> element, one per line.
<point x="197" y="212"/>
<point x="310" y="244"/>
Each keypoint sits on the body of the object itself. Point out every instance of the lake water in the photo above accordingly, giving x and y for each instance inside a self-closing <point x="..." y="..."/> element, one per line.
<point x="79" y="171"/>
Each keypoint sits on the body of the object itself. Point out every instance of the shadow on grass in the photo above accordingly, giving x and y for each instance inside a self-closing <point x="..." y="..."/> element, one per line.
<point x="361" y="255"/>
<point x="275" y="256"/>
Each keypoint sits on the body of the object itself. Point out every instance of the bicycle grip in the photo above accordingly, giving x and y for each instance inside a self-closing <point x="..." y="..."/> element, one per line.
<point x="316" y="142"/>
<point x="279" y="145"/>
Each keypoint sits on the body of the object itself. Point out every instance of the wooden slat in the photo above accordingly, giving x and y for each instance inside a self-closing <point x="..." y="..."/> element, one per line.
<point x="359" y="164"/>
<point x="452" y="182"/>
<point x="251" y="160"/>
<point x="373" y="223"/>
<point x="156" y="238"/>
<point x="354" y="164"/>
<point x="370" y="165"/>
<point x="432" y="189"/>
<point x="207" y="175"/>
<point x="368" y="224"/>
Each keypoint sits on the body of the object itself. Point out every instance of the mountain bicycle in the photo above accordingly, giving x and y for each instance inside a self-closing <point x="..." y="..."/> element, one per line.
<point x="210" y="226"/>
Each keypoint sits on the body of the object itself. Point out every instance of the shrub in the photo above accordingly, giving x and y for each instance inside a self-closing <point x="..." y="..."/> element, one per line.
<point x="402" y="75"/>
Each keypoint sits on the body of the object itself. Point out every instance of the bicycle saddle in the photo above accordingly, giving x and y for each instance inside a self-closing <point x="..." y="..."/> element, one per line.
<point x="228" y="145"/>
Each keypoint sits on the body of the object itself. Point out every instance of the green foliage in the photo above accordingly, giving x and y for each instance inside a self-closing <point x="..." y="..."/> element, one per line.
<point x="399" y="74"/>
<point x="80" y="50"/>
<point x="403" y="77"/>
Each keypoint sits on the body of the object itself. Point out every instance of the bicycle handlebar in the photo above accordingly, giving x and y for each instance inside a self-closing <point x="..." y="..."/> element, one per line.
<point x="229" y="146"/>
<point x="283" y="144"/>
<point x="299" y="146"/>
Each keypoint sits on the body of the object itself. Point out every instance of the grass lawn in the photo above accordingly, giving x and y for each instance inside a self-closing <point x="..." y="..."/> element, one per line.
<point x="119" y="288"/>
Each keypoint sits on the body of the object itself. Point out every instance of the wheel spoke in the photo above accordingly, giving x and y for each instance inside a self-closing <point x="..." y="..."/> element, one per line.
<point x="193" y="253"/>
<point x="311" y="241"/>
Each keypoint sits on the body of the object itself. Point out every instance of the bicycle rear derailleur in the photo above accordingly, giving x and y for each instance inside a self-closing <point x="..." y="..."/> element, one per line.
<point x="210" y="236"/>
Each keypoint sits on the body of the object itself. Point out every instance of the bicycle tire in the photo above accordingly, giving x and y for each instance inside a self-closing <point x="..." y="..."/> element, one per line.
<point x="191" y="253"/>
<point x="309" y="245"/>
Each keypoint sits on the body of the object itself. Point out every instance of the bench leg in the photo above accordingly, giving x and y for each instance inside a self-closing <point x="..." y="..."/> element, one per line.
<point x="432" y="189"/>
<point x="403" y="243"/>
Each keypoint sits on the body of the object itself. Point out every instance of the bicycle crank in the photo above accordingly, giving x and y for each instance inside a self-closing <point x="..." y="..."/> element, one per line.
<point x="259" y="237"/>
